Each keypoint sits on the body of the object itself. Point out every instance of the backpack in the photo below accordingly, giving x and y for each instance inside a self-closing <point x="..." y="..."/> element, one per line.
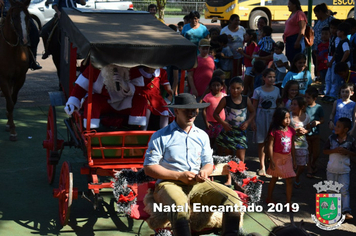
<point x="309" y="36"/>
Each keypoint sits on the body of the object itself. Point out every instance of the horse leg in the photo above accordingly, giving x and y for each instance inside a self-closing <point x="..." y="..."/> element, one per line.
<point x="10" y="106"/>
<point x="10" y="126"/>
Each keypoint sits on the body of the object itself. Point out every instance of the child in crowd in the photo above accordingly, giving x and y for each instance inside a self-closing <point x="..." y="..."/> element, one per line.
<point x="280" y="62"/>
<point x="180" y="26"/>
<point x="264" y="101"/>
<point x="348" y="76"/>
<point x="173" y="27"/>
<point x="300" y="122"/>
<point x="352" y="37"/>
<point x="322" y="54"/>
<point x="342" y="54"/>
<point x="257" y="68"/>
<point x="233" y="137"/>
<point x="343" y="107"/>
<point x="199" y="77"/>
<point x="352" y="22"/>
<point x="330" y="92"/>
<point x="221" y="74"/>
<point x="226" y="56"/>
<point x="186" y="19"/>
<point x="280" y="152"/>
<point x="299" y="72"/>
<point x="341" y="147"/>
<point x="250" y="39"/>
<point x="213" y="128"/>
<point x="316" y="114"/>
<point x="214" y="44"/>
<point x="266" y="45"/>
<point x="290" y="91"/>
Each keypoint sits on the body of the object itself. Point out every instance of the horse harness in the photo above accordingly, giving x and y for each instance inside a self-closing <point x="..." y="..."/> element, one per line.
<point x="12" y="26"/>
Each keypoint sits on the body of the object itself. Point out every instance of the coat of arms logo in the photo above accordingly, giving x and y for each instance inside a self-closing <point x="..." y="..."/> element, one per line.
<point x="328" y="205"/>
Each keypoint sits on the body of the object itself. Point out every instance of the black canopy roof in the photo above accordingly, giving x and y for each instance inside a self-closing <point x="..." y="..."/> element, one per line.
<point x="126" y="38"/>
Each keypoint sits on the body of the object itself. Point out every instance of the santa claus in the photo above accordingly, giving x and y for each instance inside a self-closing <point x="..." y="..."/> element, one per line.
<point x="116" y="88"/>
<point x="148" y="98"/>
<point x="112" y="93"/>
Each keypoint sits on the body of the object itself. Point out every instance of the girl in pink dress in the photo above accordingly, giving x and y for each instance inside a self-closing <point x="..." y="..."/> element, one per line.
<point x="280" y="151"/>
<point x="213" y="128"/>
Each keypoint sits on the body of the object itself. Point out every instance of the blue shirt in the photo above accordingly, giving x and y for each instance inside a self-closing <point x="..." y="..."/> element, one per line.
<point x="226" y="63"/>
<point x="304" y="79"/>
<point x="344" y="110"/>
<point x="194" y="35"/>
<point x="266" y="44"/>
<point x="174" y="149"/>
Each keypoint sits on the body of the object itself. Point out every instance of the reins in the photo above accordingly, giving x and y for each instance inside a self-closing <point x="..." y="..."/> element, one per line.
<point x="12" y="26"/>
<point x="220" y="191"/>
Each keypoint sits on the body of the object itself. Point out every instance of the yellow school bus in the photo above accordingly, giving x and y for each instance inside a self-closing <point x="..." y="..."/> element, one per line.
<point x="274" y="10"/>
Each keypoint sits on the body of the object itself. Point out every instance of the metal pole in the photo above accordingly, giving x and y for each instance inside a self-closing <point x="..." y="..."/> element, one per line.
<point x="309" y="50"/>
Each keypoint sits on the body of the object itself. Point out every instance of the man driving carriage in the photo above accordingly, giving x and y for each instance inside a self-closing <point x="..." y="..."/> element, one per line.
<point x="180" y="157"/>
<point x="33" y="35"/>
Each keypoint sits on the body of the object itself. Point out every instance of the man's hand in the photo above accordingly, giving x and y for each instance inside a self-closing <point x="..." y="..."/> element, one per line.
<point x="187" y="177"/>
<point x="202" y="176"/>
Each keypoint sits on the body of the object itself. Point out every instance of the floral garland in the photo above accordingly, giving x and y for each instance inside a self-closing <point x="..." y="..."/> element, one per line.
<point x="252" y="186"/>
<point x="124" y="195"/>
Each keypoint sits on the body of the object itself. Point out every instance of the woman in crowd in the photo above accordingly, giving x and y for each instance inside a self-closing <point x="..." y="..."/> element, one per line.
<point x="235" y="33"/>
<point x="323" y="15"/>
<point x="194" y="31"/>
<point x="294" y="30"/>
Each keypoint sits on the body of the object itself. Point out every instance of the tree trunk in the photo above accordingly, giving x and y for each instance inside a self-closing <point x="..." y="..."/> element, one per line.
<point x="161" y="5"/>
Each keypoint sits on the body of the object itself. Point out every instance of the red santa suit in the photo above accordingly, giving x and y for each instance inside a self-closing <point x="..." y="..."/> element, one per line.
<point x="106" y="97"/>
<point x="148" y="96"/>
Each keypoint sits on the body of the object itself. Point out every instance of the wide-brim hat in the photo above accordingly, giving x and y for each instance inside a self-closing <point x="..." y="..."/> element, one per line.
<point x="187" y="101"/>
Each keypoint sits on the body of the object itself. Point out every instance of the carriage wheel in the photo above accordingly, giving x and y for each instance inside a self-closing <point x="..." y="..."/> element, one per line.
<point x="64" y="193"/>
<point x="51" y="144"/>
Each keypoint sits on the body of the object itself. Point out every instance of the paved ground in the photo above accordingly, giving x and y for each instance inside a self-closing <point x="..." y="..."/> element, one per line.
<point x="26" y="205"/>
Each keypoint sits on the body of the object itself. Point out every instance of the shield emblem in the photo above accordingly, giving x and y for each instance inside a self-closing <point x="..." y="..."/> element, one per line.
<point x="328" y="208"/>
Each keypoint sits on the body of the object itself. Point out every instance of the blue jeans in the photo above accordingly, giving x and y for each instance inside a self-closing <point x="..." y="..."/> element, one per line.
<point x="333" y="83"/>
<point x="345" y="195"/>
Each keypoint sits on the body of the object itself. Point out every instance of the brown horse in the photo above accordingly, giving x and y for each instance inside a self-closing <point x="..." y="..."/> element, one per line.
<point x="14" y="57"/>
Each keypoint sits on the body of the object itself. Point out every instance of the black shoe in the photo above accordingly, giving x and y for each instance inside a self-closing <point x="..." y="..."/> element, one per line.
<point x="35" y="66"/>
<point x="45" y="55"/>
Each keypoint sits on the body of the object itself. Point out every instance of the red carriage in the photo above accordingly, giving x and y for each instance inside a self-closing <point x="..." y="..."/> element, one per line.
<point x="124" y="38"/>
<point x="127" y="39"/>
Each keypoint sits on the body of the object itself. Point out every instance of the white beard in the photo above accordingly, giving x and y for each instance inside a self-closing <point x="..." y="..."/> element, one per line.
<point x="122" y="76"/>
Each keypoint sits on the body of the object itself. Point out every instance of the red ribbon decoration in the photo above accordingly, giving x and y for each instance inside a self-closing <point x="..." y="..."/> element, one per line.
<point x="234" y="167"/>
<point x="127" y="198"/>
<point x="248" y="180"/>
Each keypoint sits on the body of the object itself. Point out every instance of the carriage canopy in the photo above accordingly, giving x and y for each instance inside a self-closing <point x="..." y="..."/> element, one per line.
<point x="126" y="38"/>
